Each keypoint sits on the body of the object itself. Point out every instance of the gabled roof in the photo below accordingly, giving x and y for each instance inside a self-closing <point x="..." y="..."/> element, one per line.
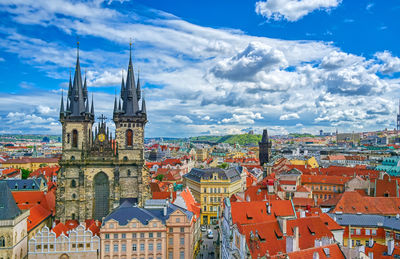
<point x="8" y="207"/>
<point x="37" y="215"/>
<point x="324" y="252"/>
<point x="353" y="202"/>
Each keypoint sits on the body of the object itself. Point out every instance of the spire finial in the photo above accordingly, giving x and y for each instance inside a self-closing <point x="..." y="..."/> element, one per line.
<point x="130" y="46"/>
<point x="77" y="46"/>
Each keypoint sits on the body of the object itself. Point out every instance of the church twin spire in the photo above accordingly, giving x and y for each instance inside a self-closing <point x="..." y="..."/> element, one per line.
<point x="126" y="106"/>
<point x="77" y="97"/>
<point x="130" y="95"/>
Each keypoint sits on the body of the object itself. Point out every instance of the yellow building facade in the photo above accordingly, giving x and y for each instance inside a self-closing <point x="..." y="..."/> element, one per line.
<point x="210" y="186"/>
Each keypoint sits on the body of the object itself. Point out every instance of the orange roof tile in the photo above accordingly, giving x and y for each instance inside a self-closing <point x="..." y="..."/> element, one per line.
<point x="37" y="215"/>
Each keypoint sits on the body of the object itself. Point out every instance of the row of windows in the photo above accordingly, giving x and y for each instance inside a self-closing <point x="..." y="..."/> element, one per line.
<point x="213" y="199"/>
<point x="326" y="188"/>
<point x="215" y="190"/>
<point x="128" y="135"/>
<point x="182" y="230"/>
<point x="116" y="247"/>
<point x="212" y="208"/>
<point x="367" y="232"/>
<point x="52" y="246"/>
<point x="133" y="225"/>
<point x="321" y="196"/>
<point x="135" y="235"/>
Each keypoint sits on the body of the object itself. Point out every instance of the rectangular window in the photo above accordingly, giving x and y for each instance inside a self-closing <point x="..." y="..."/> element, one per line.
<point x="141" y="235"/>
<point x="154" y="225"/>
<point x="182" y="255"/>
<point x="397" y="236"/>
<point x="115" y="247"/>
<point x="205" y="199"/>
<point x="178" y="220"/>
<point x="374" y="232"/>
<point x="171" y="230"/>
<point x="225" y="190"/>
<point x="158" y="234"/>
<point x="170" y="255"/>
<point x="205" y="208"/>
<point x="358" y="231"/>
<point x="141" y="247"/>
<point x="171" y="241"/>
<point x="150" y="235"/>
<point x="133" y="225"/>
<point x="182" y="241"/>
<point x="205" y="190"/>
<point x="133" y="235"/>
<point x="368" y="232"/>
<point x="134" y="247"/>
<point x="182" y="230"/>
<point x="352" y="231"/>
<point x="123" y="236"/>
<point x="358" y="242"/>
<point x="123" y="247"/>
<point x="158" y="246"/>
<point x="107" y="236"/>
<point x="150" y="246"/>
<point x="107" y="248"/>
<point x="115" y="236"/>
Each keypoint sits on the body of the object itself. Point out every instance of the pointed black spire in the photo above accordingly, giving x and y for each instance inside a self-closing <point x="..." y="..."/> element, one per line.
<point x="62" y="103"/>
<point x="92" y="108"/>
<point x="68" y="106"/>
<point x="115" y="103"/>
<point x="264" y="136"/>
<point x="119" y="105"/>
<point x="70" y="85"/>
<point x="87" y="106"/>
<point x="77" y="100"/>
<point x="138" y="90"/>
<point x="143" y="106"/>
<point x="85" y="91"/>
<point x="130" y="101"/>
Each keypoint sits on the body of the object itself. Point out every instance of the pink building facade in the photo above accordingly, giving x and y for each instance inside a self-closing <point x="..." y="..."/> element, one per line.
<point x="159" y="230"/>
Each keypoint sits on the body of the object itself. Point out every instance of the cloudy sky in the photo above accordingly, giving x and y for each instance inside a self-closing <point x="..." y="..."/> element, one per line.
<point x="207" y="67"/>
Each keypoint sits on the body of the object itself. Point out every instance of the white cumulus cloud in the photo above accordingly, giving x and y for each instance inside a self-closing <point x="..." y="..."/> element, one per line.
<point x="292" y="10"/>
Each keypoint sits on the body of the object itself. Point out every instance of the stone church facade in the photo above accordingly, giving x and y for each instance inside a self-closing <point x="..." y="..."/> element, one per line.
<point x="99" y="171"/>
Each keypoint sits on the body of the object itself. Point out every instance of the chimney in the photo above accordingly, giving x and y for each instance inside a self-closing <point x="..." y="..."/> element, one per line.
<point x="165" y="211"/>
<point x="296" y="239"/>
<point x="315" y="255"/>
<point x="302" y="214"/>
<point x="282" y="225"/>
<point x="349" y="239"/>
<point x="390" y="246"/>
<point x="268" y="208"/>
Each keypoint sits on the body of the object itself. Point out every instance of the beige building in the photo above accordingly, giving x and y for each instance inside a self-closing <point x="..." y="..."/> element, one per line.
<point x="78" y="243"/>
<point x="13" y="226"/>
<point x="159" y="230"/>
<point x="210" y="186"/>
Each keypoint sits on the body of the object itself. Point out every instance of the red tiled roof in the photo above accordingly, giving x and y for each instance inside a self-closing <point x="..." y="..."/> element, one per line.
<point x="59" y="229"/>
<point x="37" y="215"/>
<point x="325" y="179"/>
<point x="256" y="211"/>
<point x="380" y="251"/>
<point x="386" y="188"/>
<point x="163" y="195"/>
<point x="71" y="224"/>
<point x="302" y="202"/>
<point x="28" y="199"/>
<point x="329" y="222"/>
<point x="287" y="182"/>
<point x="353" y="202"/>
<point x="334" y="252"/>
<point x="259" y="193"/>
<point x="190" y="202"/>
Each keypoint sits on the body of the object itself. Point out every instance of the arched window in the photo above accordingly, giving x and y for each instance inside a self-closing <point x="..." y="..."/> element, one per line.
<point x="2" y="242"/>
<point x="73" y="216"/>
<point x="129" y="172"/>
<point x="73" y="184"/>
<point x="74" y="196"/>
<point x="129" y="137"/>
<point x="125" y="158"/>
<point x="74" y="138"/>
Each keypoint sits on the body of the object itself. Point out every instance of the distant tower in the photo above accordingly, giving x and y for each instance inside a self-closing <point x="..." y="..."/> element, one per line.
<point x="398" y="118"/>
<point x="264" y="148"/>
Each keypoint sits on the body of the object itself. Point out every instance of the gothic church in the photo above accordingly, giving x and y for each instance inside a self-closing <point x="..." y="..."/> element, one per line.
<point x="99" y="171"/>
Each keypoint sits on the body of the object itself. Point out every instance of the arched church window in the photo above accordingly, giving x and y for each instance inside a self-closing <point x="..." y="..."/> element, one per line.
<point x="73" y="184"/>
<point x="129" y="137"/>
<point x="129" y="172"/>
<point x="72" y="158"/>
<point x="125" y="158"/>
<point x="74" y="196"/>
<point x="2" y="242"/>
<point x="74" y="138"/>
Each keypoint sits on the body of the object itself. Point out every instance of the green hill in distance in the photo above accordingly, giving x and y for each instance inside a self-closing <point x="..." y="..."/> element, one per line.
<point x="242" y="139"/>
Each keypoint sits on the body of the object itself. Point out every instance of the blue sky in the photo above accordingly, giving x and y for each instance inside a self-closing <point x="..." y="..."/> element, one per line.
<point x="208" y="67"/>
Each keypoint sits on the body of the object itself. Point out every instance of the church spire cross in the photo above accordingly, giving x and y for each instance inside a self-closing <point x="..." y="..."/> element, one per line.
<point x="102" y="118"/>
